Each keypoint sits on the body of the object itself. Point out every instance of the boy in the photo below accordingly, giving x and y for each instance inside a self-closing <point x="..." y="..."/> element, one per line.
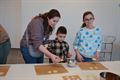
<point x="58" y="46"/>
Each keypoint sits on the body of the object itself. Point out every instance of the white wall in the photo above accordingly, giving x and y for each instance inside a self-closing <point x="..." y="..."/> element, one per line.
<point x="107" y="15"/>
<point x="10" y="18"/>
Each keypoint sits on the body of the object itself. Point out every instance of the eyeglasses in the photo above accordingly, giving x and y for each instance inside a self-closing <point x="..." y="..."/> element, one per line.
<point x="91" y="19"/>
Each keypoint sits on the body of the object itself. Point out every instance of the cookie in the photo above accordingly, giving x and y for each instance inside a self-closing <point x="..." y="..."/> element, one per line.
<point x="55" y="71"/>
<point x="1" y="73"/>
<point x="49" y="72"/>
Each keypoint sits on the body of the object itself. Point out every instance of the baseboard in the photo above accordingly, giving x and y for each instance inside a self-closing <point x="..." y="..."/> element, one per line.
<point x="15" y="48"/>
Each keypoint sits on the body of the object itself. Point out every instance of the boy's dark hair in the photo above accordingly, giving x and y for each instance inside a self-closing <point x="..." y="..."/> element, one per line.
<point x="62" y="30"/>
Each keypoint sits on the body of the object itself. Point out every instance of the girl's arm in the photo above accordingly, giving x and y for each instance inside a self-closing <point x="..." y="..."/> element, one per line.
<point x="99" y="46"/>
<point x="76" y="46"/>
<point x="78" y="56"/>
<point x="99" y="41"/>
<point x="76" y="43"/>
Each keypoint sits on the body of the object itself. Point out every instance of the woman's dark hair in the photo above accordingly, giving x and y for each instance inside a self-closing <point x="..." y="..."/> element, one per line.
<point x="51" y="14"/>
<point x="61" y="30"/>
<point x="86" y="13"/>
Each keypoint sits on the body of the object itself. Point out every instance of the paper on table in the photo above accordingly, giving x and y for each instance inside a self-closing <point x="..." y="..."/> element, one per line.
<point x="50" y="69"/>
<point x="71" y="77"/>
<point x="3" y="70"/>
<point x="91" y="66"/>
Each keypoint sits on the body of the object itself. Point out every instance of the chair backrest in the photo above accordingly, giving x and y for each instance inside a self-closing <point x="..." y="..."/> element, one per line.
<point x="108" y="39"/>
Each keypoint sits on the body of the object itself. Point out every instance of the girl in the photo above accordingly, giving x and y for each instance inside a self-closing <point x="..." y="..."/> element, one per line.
<point x="87" y="44"/>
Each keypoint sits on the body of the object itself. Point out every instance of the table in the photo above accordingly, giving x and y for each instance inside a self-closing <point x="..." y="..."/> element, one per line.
<point x="27" y="72"/>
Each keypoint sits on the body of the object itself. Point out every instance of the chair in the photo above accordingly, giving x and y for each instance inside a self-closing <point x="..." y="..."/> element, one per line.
<point x="107" y="46"/>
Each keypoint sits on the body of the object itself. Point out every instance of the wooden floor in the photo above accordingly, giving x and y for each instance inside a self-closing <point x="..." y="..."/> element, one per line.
<point x="15" y="57"/>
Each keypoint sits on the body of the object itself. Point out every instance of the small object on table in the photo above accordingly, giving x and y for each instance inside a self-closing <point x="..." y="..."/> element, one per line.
<point x="3" y="70"/>
<point x="1" y="73"/>
<point x="91" y="68"/>
<point x="55" y="71"/>
<point x="71" y="62"/>
<point x="96" y="67"/>
<point x="94" y="59"/>
<point x="71" y="77"/>
<point x="49" y="72"/>
<point x="61" y="60"/>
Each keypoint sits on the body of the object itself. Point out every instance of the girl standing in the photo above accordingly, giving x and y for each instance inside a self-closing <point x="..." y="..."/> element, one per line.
<point x="87" y="44"/>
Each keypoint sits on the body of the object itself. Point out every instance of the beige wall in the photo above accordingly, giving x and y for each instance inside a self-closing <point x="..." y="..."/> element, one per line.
<point x="107" y="15"/>
<point x="16" y="14"/>
<point x="10" y="18"/>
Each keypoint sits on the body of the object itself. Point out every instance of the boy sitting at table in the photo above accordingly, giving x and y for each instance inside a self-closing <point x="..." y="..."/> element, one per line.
<point x="58" y="46"/>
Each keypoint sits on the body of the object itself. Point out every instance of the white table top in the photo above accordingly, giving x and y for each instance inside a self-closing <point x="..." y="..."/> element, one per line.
<point x="27" y="72"/>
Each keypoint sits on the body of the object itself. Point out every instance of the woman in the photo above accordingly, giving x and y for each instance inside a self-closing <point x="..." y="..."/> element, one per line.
<point x="5" y="45"/>
<point x="37" y="32"/>
<point x="87" y="44"/>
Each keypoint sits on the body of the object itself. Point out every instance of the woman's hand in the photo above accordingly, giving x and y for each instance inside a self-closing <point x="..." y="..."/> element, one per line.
<point x="55" y="59"/>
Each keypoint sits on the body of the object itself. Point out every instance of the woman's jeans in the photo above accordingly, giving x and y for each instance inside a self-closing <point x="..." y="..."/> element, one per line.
<point x="28" y="58"/>
<point x="4" y="51"/>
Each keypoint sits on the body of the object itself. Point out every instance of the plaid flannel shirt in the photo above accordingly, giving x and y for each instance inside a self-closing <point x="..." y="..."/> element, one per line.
<point x="58" y="48"/>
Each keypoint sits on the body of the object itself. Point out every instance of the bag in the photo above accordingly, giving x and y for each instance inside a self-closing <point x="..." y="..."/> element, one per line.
<point x="33" y="52"/>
